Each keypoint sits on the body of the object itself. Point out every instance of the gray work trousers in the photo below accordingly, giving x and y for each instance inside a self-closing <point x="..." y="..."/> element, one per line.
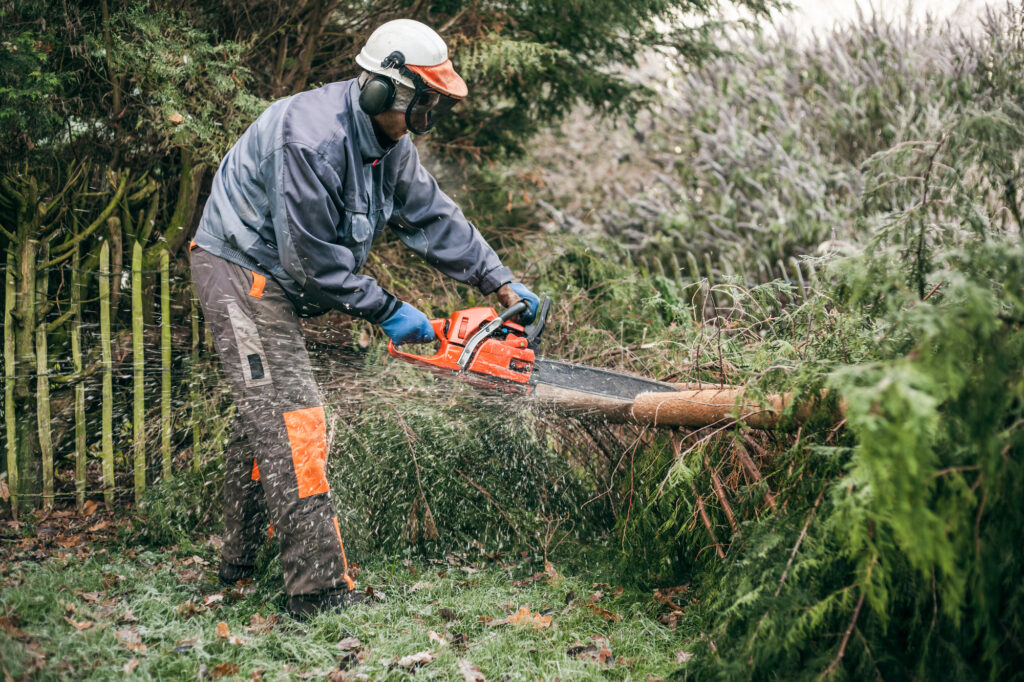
<point x="276" y="463"/>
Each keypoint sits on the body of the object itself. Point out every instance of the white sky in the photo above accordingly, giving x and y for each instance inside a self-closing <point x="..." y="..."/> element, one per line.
<point x="818" y="16"/>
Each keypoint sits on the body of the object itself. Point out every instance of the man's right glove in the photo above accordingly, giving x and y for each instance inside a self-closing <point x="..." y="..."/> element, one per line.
<point x="408" y="325"/>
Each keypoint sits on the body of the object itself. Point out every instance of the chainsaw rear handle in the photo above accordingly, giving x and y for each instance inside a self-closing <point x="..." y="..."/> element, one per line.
<point x="438" y="326"/>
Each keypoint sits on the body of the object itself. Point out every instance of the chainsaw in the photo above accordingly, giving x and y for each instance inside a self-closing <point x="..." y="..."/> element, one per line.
<point x="488" y="349"/>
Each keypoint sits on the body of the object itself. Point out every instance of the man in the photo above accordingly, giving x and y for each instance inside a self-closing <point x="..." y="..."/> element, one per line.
<point x="293" y="211"/>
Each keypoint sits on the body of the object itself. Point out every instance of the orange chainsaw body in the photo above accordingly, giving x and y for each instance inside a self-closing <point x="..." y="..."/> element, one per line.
<point x="504" y="356"/>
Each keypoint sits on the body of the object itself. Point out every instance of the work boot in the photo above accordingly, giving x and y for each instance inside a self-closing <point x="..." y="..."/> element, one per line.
<point x="305" y="606"/>
<point x="230" y="573"/>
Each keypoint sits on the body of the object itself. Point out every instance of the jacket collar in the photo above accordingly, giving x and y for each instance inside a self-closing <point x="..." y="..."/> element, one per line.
<point x="362" y="127"/>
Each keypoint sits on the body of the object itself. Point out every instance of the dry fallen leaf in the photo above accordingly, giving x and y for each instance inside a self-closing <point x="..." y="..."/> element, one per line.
<point x="131" y="640"/>
<point x="437" y="639"/>
<point x="553" y="576"/>
<point x="420" y="585"/>
<point x="524" y="617"/>
<point x="176" y="118"/>
<point x="67" y="541"/>
<point x="213" y="599"/>
<point x="493" y="622"/>
<point x="683" y="656"/>
<point x="98" y="526"/>
<point x="349" y="644"/>
<point x="223" y="630"/>
<point x="415" y="660"/>
<point x="90" y="507"/>
<point x="79" y="624"/>
<point x="10" y="626"/>
<point x="224" y="670"/>
<point x="260" y="625"/>
<point x="130" y="666"/>
<point x="603" y="612"/>
<point x="470" y="672"/>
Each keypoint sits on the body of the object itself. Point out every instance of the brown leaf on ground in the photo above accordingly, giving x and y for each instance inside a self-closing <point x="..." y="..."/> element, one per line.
<point x="683" y="656"/>
<point x="260" y="625"/>
<point x="257" y="675"/>
<point x="212" y="599"/>
<point x="603" y="613"/>
<point x="130" y="666"/>
<point x="224" y="670"/>
<point x="177" y="118"/>
<point x="10" y="626"/>
<point x="420" y="585"/>
<point x="470" y="672"/>
<point x="553" y="576"/>
<point x="349" y="644"/>
<point x="437" y="639"/>
<point x="596" y="597"/>
<point x="67" y="541"/>
<point x="98" y="526"/>
<point x="90" y="507"/>
<point x="79" y="624"/>
<point x="131" y="640"/>
<point x="94" y="597"/>
<point x="524" y="617"/>
<point x="447" y="614"/>
<point x="415" y="660"/>
<point x="493" y="622"/>
<point x="223" y="630"/>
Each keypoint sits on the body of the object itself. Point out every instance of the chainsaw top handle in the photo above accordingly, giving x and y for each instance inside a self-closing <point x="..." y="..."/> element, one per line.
<point x="520" y="306"/>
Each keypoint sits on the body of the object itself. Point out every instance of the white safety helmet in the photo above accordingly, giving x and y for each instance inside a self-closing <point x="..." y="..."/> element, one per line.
<point x="412" y="54"/>
<point x="425" y="54"/>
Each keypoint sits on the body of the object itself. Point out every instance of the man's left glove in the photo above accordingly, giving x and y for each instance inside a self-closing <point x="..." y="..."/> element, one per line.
<point x="408" y="325"/>
<point x="531" y="299"/>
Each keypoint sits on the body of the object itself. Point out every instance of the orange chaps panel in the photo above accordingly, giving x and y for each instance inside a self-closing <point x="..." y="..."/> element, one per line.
<point x="307" y="433"/>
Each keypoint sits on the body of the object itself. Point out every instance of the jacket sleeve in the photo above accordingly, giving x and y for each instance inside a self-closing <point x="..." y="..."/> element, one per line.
<point x="431" y="224"/>
<point x="305" y="194"/>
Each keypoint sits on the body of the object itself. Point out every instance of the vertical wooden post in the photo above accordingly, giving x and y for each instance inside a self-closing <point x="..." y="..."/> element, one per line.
<point x="43" y="386"/>
<point x="10" y="423"/>
<point x="139" y="366"/>
<point x="106" y="360"/>
<point x="76" y="359"/>
<point x="196" y="450"/>
<point x="165" y="363"/>
<point x="25" y="364"/>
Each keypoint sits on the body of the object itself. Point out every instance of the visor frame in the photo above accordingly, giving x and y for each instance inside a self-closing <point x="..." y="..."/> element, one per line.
<point x="427" y="117"/>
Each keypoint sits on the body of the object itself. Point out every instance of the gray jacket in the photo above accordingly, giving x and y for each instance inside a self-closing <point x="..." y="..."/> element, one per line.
<point x="306" y="189"/>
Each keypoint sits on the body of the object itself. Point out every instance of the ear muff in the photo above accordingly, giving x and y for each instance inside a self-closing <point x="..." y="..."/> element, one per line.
<point x="377" y="95"/>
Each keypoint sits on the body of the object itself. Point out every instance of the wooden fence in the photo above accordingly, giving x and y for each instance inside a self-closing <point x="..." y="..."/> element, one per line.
<point x="693" y="280"/>
<point x="79" y="376"/>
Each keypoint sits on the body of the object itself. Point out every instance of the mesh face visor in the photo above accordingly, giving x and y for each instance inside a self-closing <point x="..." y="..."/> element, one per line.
<point x="426" y="107"/>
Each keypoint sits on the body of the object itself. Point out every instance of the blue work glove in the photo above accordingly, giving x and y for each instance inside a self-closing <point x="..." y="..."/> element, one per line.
<point x="408" y="325"/>
<point x="531" y="299"/>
